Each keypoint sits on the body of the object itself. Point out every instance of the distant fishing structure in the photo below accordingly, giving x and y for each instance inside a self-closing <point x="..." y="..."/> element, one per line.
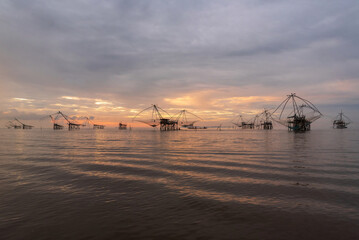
<point x="254" y="123"/>
<point x="88" y="121"/>
<point x="296" y="113"/>
<point x="259" y="121"/>
<point x="122" y="126"/>
<point x="265" y="120"/>
<point x="54" y="119"/>
<point x="186" y="119"/>
<point x="240" y="122"/>
<point x="155" y="116"/>
<point x="56" y="126"/>
<point x="13" y="125"/>
<point x="341" y="121"/>
<point x="17" y="124"/>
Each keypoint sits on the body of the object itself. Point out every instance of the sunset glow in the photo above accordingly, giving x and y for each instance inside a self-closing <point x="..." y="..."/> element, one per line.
<point x="218" y="68"/>
<point x="179" y="119"/>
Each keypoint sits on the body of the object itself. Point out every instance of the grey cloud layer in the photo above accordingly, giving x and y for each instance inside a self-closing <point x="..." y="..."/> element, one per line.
<point x="141" y="51"/>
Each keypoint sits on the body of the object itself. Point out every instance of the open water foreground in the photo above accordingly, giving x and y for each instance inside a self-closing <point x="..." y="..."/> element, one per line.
<point x="206" y="184"/>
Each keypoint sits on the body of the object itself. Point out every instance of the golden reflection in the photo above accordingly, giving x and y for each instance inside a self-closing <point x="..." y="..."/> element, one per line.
<point x="208" y="177"/>
<point x="190" y="191"/>
<point x="179" y="187"/>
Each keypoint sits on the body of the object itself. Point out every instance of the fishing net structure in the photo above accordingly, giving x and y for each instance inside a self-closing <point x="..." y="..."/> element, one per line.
<point x="186" y="119"/>
<point x="296" y="113"/>
<point x="155" y="116"/>
<point x="59" y="120"/>
<point x="17" y="124"/>
<point x="259" y="121"/>
<point x="241" y="122"/>
<point x="151" y="116"/>
<point x="13" y="124"/>
<point x="89" y="123"/>
<point x="264" y="120"/>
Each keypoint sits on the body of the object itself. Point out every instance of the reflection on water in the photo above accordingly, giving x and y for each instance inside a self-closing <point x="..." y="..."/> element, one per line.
<point x="107" y="184"/>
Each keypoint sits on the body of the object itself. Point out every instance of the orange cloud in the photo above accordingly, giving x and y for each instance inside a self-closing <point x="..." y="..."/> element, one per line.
<point x="181" y="101"/>
<point x="249" y="99"/>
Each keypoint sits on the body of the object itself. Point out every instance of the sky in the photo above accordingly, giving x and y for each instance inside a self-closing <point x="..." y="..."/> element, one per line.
<point x="216" y="58"/>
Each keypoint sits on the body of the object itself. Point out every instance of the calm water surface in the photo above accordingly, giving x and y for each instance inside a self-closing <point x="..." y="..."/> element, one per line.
<point x="144" y="184"/>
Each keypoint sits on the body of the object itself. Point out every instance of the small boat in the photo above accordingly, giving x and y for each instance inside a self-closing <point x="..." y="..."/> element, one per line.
<point x="122" y="126"/>
<point x="341" y="121"/>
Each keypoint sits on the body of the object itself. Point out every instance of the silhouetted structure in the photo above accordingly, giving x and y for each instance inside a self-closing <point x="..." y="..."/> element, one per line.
<point x="265" y="121"/>
<point x="71" y="125"/>
<point x="22" y="125"/>
<point x="240" y="122"/>
<point x="88" y="121"/>
<point x="187" y="119"/>
<point x="157" y="117"/>
<point x="297" y="118"/>
<point x="122" y="126"/>
<point x="11" y="124"/>
<point x="56" y="126"/>
<point x="341" y="121"/>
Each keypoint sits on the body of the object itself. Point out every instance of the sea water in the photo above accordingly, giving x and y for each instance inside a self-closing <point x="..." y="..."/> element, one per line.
<point x="204" y="184"/>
